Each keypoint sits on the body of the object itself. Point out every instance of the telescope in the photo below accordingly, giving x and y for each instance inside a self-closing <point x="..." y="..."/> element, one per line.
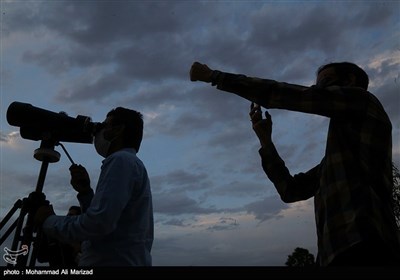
<point x="51" y="128"/>
<point x="40" y="124"/>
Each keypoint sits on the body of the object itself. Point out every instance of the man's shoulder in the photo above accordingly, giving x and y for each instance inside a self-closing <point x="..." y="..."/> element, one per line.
<point x="123" y="153"/>
<point x="123" y="157"/>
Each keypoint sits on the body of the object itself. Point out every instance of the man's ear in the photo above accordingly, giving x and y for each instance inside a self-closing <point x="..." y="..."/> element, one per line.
<point x="351" y="80"/>
<point x="115" y="131"/>
<point x="118" y="129"/>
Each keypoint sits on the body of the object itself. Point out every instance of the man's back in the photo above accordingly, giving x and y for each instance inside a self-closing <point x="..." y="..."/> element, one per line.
<point x="355" y="180"/>
<point x="123" y="191"/>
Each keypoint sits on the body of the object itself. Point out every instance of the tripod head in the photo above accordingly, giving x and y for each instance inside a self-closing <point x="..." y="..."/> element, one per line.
<point x="46" y="152"/>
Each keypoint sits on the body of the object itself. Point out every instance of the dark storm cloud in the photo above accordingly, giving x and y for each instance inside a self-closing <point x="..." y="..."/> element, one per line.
<point x="179" y="180"/>
<point x="277" y="33"/>
<point x="268" y="208"/>
<point x="387" y="77"/>
<point x="176" y="222"/>
<point x="224" y="224"/>
<point x="154" y="41"/>
<point x="241" y="189"/>
<point x="154" y="96"/>
<point x="94" y="90"/>
<point x="173" y="203"/>
<point x="307" y="31"/>
<point x="389" y="96"/>
<point x="194" y="110"/>
<point x="178" y="204"/>
<point x="92" y="23"/>
<point x="138" y="40"/>
<point x="138" y="53"/>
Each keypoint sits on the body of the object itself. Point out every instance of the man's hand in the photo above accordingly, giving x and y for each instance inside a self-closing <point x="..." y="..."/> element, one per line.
<point x="262" y="127"/>
<point x="80" y="180"/>
<point x="42" y="214"/>
<point x="200" y="72"/>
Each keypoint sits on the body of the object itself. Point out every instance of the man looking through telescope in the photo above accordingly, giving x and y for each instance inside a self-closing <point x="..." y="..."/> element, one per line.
<point x="116" y="226"/>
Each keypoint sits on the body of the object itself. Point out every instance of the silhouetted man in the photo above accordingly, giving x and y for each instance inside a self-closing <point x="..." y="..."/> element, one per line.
<point x="116" y="224"/>
<point x="352" y="185"/>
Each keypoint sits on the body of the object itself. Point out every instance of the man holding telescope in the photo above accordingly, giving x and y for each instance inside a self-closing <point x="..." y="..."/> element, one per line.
<point x="352" y="185"/>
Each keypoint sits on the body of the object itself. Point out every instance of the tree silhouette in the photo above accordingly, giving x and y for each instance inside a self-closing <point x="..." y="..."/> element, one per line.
<point x="300" y="257"/>
<point x="396" y="195"/>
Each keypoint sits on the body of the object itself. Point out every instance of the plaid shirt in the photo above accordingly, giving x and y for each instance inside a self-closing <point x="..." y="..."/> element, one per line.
<point x="352" y="185"/>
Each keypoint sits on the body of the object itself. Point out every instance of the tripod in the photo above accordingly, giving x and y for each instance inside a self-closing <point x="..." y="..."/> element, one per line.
<point x="26" y="244"/>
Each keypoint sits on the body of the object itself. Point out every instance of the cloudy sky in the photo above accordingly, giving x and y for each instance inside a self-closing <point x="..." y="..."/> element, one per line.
<point x="213" y="205"/>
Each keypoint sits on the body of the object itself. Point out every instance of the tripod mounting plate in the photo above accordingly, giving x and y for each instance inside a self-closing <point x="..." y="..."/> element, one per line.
<point x="46" y="154"/>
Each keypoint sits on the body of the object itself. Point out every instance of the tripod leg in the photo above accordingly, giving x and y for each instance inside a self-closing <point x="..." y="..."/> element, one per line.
<point x="17" y="225"/>
<point x="29" y="206"/>
<point x="10" y="213"/>
<point x="8" y="232"/>
<point x="36" y="245"/>
<point x="28" y="210"/>
<point x="21" y="260"/>
<point x="35" y="200"/>
<point x="17" y="205"/>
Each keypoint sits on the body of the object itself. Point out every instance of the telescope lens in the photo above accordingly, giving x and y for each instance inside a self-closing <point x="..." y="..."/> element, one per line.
<point x="39" y="124"/>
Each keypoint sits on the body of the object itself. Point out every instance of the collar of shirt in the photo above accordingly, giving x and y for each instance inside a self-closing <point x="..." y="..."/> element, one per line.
<point x="129" y="150"/>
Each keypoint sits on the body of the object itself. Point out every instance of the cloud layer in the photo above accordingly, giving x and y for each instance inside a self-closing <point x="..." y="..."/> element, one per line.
<point x="213" y="203"/>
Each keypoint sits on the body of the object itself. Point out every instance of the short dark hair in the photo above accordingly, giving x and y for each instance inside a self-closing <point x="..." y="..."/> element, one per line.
<point x="343" y="69"/>
<point x="133" y="122"/>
